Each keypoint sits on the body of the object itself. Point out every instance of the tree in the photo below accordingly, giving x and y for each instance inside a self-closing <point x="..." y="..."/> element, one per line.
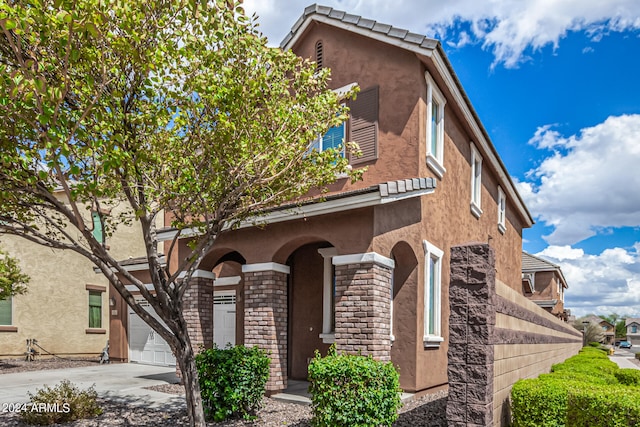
<point x="592" y="331"/>
<point x="173" y="107"/>
<point x="12" y="280"/>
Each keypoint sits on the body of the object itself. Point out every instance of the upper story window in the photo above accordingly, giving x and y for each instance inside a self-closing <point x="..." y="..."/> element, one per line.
<point x="361" y="128"/>
<point x="634" y="329"/>
<point x="432" y="295"/>
<point x="476" y="181"/>
<point x="502" y="212"/>
<point x="333" y="139"/>
<point x="435" y="127"/>
<point x="98" y="232"/>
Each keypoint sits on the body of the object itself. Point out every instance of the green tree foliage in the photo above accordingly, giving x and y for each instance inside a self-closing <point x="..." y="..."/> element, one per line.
<point x="162" y="106"/>
<point x="12" y="280"/>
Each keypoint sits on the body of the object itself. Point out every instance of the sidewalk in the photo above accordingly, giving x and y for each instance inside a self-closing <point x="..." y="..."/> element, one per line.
<point x="624" y="359"/>
<point x="119" y="381"/>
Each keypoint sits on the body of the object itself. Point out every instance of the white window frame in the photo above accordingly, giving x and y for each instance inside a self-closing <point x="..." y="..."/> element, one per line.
<point x="328" y="336"/>
<point x="476" y="181"/>
<point x="391" y="335"/>
<point x="432" y="252"/>
<point x="502" y="211"/>
<point x="435" y="161"/>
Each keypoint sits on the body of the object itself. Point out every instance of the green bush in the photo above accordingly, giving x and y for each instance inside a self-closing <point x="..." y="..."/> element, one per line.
<point x="628" y="376"/>
<point x="585" y="390"/>
<point x="232" y="381"/>
<point x="617" y="406"/>
<point x="350" y="390"/>
<point x="60" y="404"/>
<point x="537" y="403"/>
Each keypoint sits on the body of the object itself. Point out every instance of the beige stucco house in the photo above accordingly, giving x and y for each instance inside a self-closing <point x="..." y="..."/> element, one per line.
<point x="67" y="306"/>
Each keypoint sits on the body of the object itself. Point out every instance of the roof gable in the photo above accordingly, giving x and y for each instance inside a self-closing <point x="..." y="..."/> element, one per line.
<point x="423" y="47"/>
<point x="532" y="263"/>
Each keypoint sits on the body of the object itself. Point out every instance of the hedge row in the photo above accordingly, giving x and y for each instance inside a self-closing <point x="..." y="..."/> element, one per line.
<point x="585" y="390"/>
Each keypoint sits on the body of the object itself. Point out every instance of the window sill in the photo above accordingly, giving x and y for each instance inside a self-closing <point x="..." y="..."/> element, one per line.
<point x="435" y="166"/>
<point x="8" y="329"/>
<point x="95" y="331"/>
<point x="328" y="338"/>
<point x="475" y="209"/>
<point x="502" y="229"/>
<point x="432" y="341"/>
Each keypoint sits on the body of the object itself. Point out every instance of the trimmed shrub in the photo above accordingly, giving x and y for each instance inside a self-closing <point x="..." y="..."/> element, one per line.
<point x="586" y="389"/>
<point x="232" y="381"/>
<point x="617" y="406"/>
<point x="349" y="390"/>
<point x="63" y="403"/>
<point x="536" y="403"/>
<point x="628" y="376"/>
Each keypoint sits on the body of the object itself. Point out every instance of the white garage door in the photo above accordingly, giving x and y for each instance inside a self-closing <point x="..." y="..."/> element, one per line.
<point x="146" y="345"/>
<point x="224" y="318"/>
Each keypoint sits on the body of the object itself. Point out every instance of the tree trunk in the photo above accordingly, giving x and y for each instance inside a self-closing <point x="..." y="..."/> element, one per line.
<point x="187" y="363"/>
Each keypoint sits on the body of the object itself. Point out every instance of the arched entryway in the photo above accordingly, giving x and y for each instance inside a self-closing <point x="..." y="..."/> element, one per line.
<point x="306" y="306"/>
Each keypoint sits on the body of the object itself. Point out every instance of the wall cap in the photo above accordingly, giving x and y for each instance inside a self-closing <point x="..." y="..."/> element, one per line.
<point x="266" y="266"/>
<point x="365" y="258"/>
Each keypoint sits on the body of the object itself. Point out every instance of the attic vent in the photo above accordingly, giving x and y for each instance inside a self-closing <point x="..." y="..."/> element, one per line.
<point x="319" y="55"/>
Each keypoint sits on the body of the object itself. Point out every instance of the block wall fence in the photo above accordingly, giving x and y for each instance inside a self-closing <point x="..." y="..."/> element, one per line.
<point x="496" y="337"/>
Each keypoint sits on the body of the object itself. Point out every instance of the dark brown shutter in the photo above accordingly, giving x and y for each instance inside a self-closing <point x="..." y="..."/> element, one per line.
<point x="363" y="128"/>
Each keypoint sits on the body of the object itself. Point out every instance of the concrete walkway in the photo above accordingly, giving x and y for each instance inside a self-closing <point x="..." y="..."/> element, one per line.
<point x="624" y="359"/>
<point x="118" y="381"/>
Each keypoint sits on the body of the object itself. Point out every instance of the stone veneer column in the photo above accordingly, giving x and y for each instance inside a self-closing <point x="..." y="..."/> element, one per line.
<point x="472" y="299"/>
<point x="363" y="304"/>
<point x="265" y="316"/>
<point x="197" y="309"/>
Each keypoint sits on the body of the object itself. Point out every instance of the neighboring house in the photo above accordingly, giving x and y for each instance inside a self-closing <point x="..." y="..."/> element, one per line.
<point x="608" y="329"/>
<point x="633" y="330"/>
<point x="66" y="308"/>
<point x="544" y="284"/>
<point x="366" y="267"/>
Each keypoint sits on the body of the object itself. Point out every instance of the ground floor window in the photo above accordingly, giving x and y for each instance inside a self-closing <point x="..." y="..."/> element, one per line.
<point x="432" y="295"/>
<point x="6" y="312"/>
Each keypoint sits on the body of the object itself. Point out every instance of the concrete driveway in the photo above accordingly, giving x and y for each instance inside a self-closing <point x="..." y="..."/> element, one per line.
<point x="119" y="381"/>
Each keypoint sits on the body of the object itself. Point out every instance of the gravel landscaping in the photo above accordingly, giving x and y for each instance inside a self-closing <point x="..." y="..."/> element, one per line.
<point x="428" y="410"/>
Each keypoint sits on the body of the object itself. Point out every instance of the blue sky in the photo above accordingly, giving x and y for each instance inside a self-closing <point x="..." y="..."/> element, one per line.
<point x="557" y="86"/>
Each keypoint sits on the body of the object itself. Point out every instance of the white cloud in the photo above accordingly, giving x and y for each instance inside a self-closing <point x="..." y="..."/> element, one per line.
<point x="601" y="284"/>
<point x="583" y="187"/>
<point x="509" y="28"/>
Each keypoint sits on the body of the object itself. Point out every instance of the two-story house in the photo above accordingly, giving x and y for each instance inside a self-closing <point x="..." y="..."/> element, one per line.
<point x="66" y="308"/>
<point x="367" y="266"/>
<point x="544" y="284"/>
<point x="608" y="329"/>
<point x="633" y="330"/>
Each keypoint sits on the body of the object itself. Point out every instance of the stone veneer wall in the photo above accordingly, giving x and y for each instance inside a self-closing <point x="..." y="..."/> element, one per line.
<point x="363" y="305"/>
<point x="265" y="319"/>
<point x="496" y="336"/>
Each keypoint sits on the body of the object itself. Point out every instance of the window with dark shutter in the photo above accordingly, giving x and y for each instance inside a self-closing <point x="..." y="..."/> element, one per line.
<point x="364" y="125"/>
